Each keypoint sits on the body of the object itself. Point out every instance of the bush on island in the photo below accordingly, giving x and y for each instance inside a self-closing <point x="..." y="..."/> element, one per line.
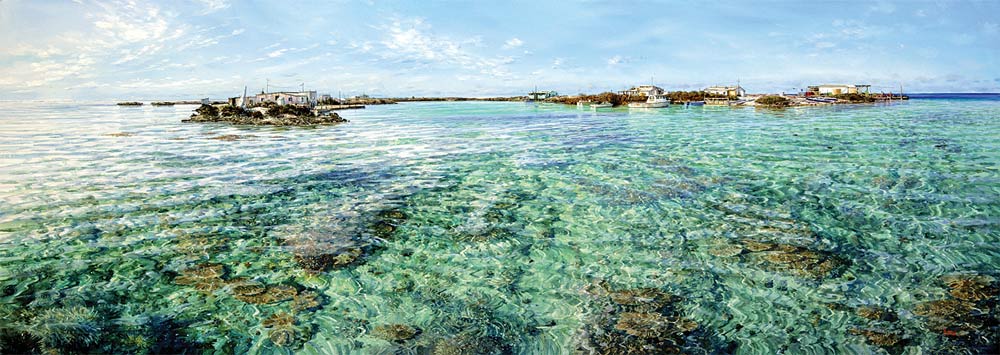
<point x="855" y="98"/>
<point x="286" y="115"/>
<point x="207" y="111"/>
<point x="299" y="111"/>
<point x="773" y="101"/>
<point x="230" y="110"/>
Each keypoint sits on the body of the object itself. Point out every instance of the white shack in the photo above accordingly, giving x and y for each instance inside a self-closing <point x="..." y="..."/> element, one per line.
<point x="298" y="98"/>
<point x="643" y="90"/>
<point x="729" y="91"/>
<point x="837" y="89"/>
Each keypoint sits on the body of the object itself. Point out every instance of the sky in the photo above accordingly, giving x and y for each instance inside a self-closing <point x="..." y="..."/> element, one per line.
<point x="186" y="49"/>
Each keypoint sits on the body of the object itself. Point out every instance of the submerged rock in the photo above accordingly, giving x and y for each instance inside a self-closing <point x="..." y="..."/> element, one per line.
<point x="651" y="299"/>
<point x="257" y="294"/>
<point x="798" y="260"/>
<point x="281" y="329"/>
<point x="230" y="137"/>
<point x="653" y="325"/>
<point x="726" y="251"/>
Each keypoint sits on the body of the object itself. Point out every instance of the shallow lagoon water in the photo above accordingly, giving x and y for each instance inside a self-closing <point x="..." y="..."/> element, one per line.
<point x="484" y="227"/>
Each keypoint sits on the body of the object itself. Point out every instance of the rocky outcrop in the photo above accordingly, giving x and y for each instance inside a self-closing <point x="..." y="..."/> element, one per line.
<point x="286" y="115"/>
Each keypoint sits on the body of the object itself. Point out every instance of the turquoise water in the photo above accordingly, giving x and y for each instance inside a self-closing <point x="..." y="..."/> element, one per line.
<point x="483" y="227"/>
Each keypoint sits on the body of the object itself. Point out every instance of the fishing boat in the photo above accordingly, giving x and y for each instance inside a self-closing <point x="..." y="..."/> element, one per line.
<point x="654" y="101"/>
<point x="583" y="103"/>
<point x="601" y="105"/>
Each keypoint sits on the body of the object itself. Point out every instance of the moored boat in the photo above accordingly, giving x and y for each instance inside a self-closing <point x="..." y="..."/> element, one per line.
<point x="825" y="100"/>
<point x="601" y="105"/>
<point x="654" y="101"/>
<point x="583" y="103"/>
<point x="694" y="103"/>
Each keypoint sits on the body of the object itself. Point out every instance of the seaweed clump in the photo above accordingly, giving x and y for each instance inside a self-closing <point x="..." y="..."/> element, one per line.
<point x="318" y="260"/>
<point x="67" y="327"/>
<point x="395" y="332"/>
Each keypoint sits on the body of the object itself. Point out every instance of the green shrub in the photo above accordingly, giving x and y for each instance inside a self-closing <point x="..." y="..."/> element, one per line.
<point x="774" y="101"/>
<point x="682" y="96"/>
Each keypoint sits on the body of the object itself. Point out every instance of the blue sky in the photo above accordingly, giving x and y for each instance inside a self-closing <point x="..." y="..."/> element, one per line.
<point x="137" y="49"/>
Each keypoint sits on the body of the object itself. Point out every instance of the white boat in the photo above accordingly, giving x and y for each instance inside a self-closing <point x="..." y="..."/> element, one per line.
<point x="653" y="101"/>
<point x="601" y="105"/>
<point x="583" y="103"/>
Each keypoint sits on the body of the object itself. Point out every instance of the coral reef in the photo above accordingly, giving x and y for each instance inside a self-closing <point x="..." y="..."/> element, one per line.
<point x="881" y="338"/>
<point x="637" y="321"/>
<point x="971" y="288"/>
<point x="305" y="300"/>
<point x="876" y="313"/>
<point x="395" y="332"/>
<point x="206" y="277"/>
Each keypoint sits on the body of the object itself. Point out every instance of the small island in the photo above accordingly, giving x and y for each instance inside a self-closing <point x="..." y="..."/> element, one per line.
<point x="130" y="103"/>
<point x="265" y="115"/>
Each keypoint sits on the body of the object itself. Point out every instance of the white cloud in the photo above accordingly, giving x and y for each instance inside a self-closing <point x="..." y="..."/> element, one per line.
<point x="513" y="43"/>
<point x="990" y="28"/>
<point x="213" y="5"/>
<point x="823" y="45"/>
<point x="238" y="31"/>
<point x="278" y="53"/>
<point x="883" y="7"/>
<point x="616" y="60"/>
<point x="412" y="40"/>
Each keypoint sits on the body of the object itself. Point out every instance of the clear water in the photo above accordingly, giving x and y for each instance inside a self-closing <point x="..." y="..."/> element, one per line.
<point x="498" y="228"/>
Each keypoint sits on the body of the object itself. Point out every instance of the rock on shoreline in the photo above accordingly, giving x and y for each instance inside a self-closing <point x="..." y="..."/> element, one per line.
<point x="287" y="115"/>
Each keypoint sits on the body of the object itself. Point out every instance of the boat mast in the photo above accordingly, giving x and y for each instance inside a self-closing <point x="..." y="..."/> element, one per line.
<point x="243" y="102"/>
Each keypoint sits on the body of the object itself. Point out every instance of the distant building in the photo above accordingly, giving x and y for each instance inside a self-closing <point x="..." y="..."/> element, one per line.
<point x="643" y="90"/>
<point x="542" y="95"/>
<point x="837" y="89"/>
<point x="729" y="91"/>
<point x="298" y="98"/>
